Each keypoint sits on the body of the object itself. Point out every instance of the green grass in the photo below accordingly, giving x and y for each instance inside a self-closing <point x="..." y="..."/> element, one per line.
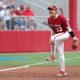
<point x="28" y="59"/>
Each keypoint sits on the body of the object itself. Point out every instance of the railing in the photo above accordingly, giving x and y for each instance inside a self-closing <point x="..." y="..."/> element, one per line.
<point x="24" y="23"/>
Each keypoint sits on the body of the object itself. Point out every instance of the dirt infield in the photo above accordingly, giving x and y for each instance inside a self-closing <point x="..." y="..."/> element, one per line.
<point x="40" y="73"/>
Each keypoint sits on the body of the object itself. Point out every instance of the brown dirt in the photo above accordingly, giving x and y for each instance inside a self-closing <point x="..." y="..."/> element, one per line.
<point x="40" y="73"/>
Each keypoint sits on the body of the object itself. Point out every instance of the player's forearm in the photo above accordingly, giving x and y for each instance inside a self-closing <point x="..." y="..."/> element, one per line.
<point x="70" y="32"/>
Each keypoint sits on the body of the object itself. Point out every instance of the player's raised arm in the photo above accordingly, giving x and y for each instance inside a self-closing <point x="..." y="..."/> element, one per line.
<point x="75" y="41"/>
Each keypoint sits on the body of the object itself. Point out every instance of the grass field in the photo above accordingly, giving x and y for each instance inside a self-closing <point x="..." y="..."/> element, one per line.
<point x="37" y="59"/>
<point x="32" y="66"/>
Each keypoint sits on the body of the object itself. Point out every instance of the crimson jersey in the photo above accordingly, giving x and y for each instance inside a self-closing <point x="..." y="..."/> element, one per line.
<point x="59" y="24"/>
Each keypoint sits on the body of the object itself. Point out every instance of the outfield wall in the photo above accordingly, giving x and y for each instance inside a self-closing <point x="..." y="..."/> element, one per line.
<point x="24" y="41"/>
<point x="28" y="41"/>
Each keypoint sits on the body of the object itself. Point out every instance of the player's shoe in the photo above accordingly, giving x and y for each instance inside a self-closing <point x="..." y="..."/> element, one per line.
<point x="51" y="58"/>
<point x="61" y="74"/>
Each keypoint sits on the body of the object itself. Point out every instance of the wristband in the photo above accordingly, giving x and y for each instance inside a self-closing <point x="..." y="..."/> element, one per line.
<point x="72" y="34"/>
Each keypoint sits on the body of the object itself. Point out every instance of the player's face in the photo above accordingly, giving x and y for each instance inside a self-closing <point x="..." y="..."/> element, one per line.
<point x="52" y="12"/>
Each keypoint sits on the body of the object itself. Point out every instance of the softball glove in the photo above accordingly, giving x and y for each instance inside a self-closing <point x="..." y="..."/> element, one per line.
<point x="74" y="44"/>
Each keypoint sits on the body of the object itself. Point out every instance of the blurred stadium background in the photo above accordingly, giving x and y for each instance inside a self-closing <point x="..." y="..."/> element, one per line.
<point x="31" y="33"/>
<point x="24" y="40"/>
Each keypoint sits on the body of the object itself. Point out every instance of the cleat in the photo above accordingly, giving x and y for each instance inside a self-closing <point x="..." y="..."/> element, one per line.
<point x="61" y="74"/>
<point x="51" y="58"/>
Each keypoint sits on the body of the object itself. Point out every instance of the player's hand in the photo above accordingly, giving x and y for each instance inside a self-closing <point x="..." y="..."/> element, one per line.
<point x="51" y="42"/>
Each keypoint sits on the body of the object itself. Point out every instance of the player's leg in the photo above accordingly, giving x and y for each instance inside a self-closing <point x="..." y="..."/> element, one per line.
<point x="53" y="48"/>
<point x="60" y="47"/>
<point x="51" y="58"/>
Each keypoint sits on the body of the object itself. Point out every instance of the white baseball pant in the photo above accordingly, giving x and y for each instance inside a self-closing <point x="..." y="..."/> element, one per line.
<point x="58" y="40"/>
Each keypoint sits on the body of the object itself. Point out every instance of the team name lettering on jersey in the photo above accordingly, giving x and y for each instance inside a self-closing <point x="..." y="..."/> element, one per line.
<point x="58" y="25"/>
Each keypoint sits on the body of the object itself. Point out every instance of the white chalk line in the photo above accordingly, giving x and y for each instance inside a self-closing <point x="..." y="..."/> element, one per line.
<point x="8" y="69"/>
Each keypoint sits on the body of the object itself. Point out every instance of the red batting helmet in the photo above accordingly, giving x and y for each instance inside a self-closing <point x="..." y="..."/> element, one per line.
<point x="52" y="7"/>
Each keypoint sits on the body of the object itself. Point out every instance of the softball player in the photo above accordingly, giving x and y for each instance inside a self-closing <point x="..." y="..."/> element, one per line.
<point x="61" y="31"/>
